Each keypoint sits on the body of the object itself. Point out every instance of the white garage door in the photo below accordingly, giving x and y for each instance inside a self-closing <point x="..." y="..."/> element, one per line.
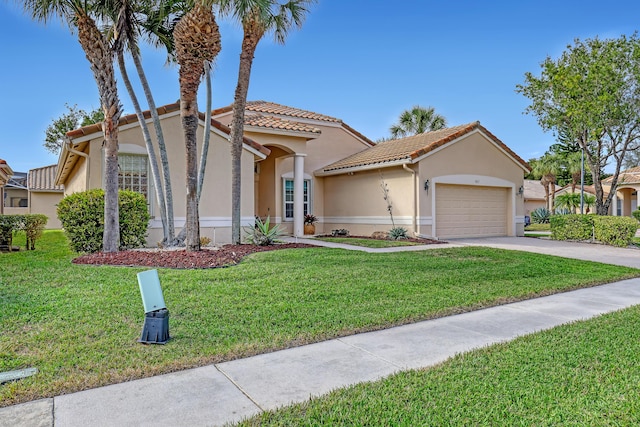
<point x="470" y="211"/>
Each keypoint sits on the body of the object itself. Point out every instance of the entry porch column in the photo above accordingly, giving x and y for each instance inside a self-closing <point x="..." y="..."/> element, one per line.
<point x="614" y="204"/>
<point x="298" y="195"/>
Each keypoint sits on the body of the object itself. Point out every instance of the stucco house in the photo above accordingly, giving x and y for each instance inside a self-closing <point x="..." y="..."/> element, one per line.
<point x="626" y="200"/>
<point x="534" y="195"/>
<point x="460" y="181"/>
<point x="16" y="194"/>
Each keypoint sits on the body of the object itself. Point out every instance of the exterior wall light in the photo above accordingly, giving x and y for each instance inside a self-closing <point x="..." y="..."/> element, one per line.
<point x="426" y="186"/>
<point x="521" y="190"/>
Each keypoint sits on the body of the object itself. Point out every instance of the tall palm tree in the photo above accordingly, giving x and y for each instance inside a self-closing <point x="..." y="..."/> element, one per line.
<point x="155" y="22"/>
<point x="258" y="17"/>
<point x="416" y="121"/>
<point x="197" y="41"/>
<point x="100" y="54"/>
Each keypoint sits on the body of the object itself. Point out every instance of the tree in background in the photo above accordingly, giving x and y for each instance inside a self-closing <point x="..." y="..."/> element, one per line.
<point x="547" y="167"/>
<point x="258" y="17"/>
<point x="592" y="94"/>
<point x="416" y="121"/>
<point x="74" y="118"/>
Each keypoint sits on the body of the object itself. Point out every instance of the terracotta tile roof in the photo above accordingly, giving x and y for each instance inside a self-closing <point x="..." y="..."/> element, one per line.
<point x="165" y="109"/>
<point x="533" y="190"/>
<point x="629" y="176"/>
<point x="410" y="148"/>
<point x="43" y="179"/>
<point x="590" y="189"/>
<point x="271" y="108"/>
<point x="278" y="123"/>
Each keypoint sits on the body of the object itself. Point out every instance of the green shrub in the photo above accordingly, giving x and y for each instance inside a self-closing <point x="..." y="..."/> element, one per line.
<point x="262" y="234"/>
<point x="572" y="227"/>
<point x="540" y="216"/>
<point x="82" y="217"/>
<point x="636" y="214"/>
<point x="33" y="224"/>
<point x="615" y="230"/>
<point x="398" y="233"/>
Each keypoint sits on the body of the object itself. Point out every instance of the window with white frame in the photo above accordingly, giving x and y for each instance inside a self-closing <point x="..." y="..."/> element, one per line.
<point x="133" y="173"/>
<point x="288" y="198"/>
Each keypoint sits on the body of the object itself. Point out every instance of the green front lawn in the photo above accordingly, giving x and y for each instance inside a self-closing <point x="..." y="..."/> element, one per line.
<point x="368" y="243"/>
<point x="79" y="324"/>
<point x="582" y="374"/>
<point x="538" y="227"/>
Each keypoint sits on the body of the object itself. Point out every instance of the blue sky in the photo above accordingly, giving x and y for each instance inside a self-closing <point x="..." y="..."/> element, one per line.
<point x="361" y="61"/>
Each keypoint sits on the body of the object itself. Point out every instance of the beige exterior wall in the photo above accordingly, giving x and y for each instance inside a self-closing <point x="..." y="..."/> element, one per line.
<point x="15" y="211"/>
<point x="46" y="203"/>
<point x="77" y="180"/>
<point x="14" y="196"/>
<point x="532" y="205"/>
<point x="356" y="202"/>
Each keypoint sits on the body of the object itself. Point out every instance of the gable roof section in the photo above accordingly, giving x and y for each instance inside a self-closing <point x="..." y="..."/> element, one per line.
<point x="277" y="123"/>
<point x="43" y="179"/>
<point x="534" y="190"/>
<point x="68" y="159"/>
<point x="265" y="108"/>
<point x="411" y="149"/>
<point x="629" y="176"/>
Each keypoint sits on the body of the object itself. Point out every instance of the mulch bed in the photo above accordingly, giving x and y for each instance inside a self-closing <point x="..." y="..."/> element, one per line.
<point x="179" y="258"/>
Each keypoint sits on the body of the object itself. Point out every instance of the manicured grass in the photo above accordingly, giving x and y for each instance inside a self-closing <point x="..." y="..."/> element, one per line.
<point x="582" y="374"/>
<point x="538" y="227"/>
<point x="636" y="241"/>
<point x="79" y="324"/>
<point x="368" y="243"/>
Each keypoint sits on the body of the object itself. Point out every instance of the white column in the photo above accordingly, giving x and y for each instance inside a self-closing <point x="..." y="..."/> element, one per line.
<point x="614" y="204"/>
<point x="298" y="195"/>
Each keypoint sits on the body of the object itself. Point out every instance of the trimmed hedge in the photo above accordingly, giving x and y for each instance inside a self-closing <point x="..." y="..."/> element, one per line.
<point x="82" y="217"/>
<point x="610" y="230"/>
<point x="571" y="227"/>
<point x="636" y="214"/>
<point x="31" y="224"/>
<point x="615" y="230"/>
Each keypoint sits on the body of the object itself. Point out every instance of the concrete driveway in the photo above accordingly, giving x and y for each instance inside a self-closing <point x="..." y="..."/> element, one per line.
<point x="627" y="257"/>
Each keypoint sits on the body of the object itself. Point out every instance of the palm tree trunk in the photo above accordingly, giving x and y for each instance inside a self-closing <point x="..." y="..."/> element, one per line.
<point x="153" y="162"/>
<point x="164" y="158"/>
<point x="100" y="57"/>
<point x="249" y="44"/>
<point x="207" y="132"/>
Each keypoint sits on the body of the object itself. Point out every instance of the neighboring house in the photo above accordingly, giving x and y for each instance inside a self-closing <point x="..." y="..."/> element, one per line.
<point x="626" y="199"/>
<point x="456" y="182"/>
<point x="16" y="194"/>
<point x="5" y="174"/>
<point x="588" y="189"/>
<point x="534" y="195"/>
<point x="44" y="194"/>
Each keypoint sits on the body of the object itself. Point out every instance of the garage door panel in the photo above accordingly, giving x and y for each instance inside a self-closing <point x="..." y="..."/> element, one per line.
<point x="470" y="211"/>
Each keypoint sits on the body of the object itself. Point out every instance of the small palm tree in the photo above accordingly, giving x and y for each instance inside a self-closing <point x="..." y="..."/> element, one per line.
<point x="547" y="166"/>
<point x="416" y="121"/>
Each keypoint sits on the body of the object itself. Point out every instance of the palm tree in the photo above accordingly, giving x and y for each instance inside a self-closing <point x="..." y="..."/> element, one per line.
<point x="257" y="17"/>
<point x="416" y="121"/>
<point x="156" y="22"/>
<point x="569" y="201"/>
<point x="547" y="167"/>
<point x="100" y="54"/>
<point x="197" y="41"/>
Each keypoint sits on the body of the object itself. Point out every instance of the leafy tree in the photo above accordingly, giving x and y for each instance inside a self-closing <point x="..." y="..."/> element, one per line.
<point x="416" y="121"/>
<point x="258" y="17"/>
<point x="592" y="94"/>
<point x="74" y="118"/>
<point x="99" y="51"/>
<point x="197" y="41"/>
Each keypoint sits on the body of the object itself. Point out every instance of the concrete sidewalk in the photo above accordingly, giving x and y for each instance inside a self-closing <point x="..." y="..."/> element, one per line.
<point x="228" y="392"/>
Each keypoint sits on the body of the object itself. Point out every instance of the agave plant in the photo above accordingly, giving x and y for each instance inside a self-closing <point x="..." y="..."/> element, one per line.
<point x="398" y="233"/>
<point x="540" y="216"/>
<point x="262" y="234"/>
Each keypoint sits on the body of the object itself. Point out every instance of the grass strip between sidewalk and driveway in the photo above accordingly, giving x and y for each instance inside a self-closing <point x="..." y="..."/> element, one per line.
<point x="79" y="324"/>
<point x="580" y="374"/>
